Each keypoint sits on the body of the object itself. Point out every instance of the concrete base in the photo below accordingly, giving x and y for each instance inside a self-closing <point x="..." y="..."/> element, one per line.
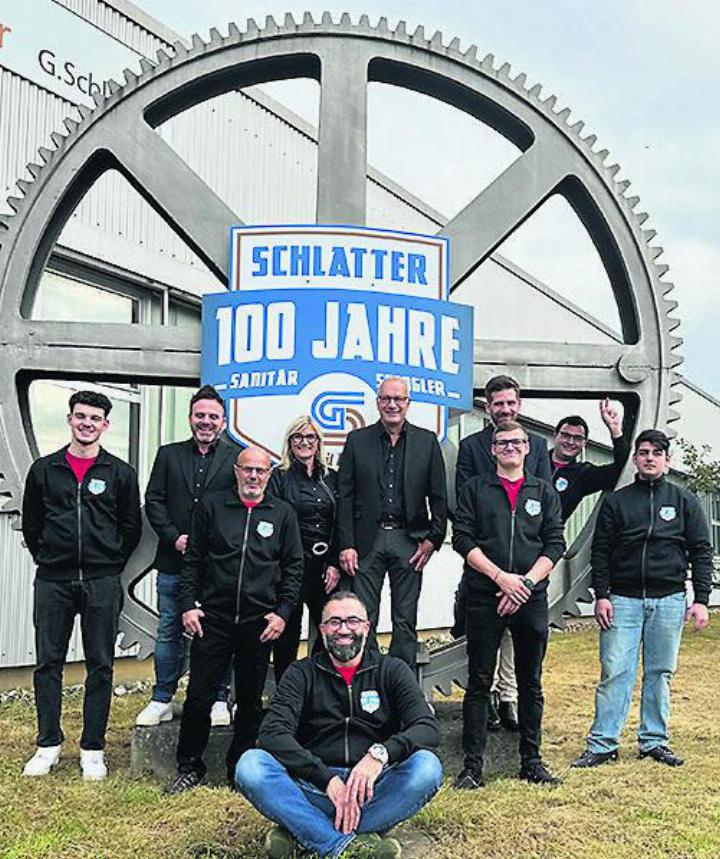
<point x="152" y="750"/>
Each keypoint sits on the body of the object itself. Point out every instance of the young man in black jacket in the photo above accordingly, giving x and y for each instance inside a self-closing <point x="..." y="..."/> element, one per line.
<point x="183" y="472"/>
<point x="81" y="523"/>
<point x="239" y="582"/>
<point x="646" y="535"/>
<point x="344" y="752"/>
<point x="508" y="530"/>
<point x="575" y="480"/>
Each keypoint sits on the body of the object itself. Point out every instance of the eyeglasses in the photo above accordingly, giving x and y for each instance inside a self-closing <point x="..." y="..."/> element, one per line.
<point x="353" y="623"/>
<point x="507" y="443"/>
<point x="575" y="438"/>
<point x="299" y="438"/>
<point x="385" y="401"/>
<point x="250" y="469"/>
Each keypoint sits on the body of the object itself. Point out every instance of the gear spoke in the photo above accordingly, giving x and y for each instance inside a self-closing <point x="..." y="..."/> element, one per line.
<point x="500" y="208"/>
<point x="106" y="350"/>
<point x="191" y="208"/>
<point x="342" y="135"/>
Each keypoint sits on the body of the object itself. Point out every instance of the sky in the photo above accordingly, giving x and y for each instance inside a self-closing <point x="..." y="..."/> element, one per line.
<point x="643" y="76"/>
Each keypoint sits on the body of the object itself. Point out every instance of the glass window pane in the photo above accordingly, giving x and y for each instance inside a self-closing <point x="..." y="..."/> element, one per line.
<point x="61" y="298"/>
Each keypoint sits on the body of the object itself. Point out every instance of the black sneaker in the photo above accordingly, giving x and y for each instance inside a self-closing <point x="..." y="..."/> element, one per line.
<point x="185" y="781"/>
<point x="663" y="755"/>
<point x="537" y="773"/>
<point x="507" y="711"/>
<point x="493" y="717"/>
<point x="588" y="759"/>
<point x="469" y="779"/>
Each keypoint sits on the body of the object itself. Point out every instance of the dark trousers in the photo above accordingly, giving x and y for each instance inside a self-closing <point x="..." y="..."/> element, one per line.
<point x="210" y="655"/>
<point x="529" y="630"/>
<point x="391" y="553"/>
<point x="98" y="602"/>
<point x="312" y="594"/>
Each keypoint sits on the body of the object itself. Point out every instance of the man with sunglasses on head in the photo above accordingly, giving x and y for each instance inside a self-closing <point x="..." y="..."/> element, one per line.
<point x="345" y="750"/>
<point x="574" y="480"/>
<point x="239" y="582"/>
<point x="508" y="531"/>
<point x="647" y="535"/>
<point x="182" y="473"/>
<point x="391" y="474"/>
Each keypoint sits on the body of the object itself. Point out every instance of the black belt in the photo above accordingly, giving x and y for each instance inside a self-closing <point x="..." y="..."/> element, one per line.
<point x="319" y="548"/>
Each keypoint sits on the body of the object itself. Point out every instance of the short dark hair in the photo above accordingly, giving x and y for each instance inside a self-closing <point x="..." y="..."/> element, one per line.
<point x="90" y="398"/>
<point x="207" y="392"/>
<point x="500" y="383"/>
<point x="656" y="437"/>
<point x="345" y="595"/>
<point x="509" y="426"/>
<point x="574" y="421"/>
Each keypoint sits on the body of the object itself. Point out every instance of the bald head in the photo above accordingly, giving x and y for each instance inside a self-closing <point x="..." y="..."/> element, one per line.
<point x="252" y="472"/>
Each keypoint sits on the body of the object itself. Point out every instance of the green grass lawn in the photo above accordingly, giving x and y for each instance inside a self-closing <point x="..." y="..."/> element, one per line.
<point x="634" y="809"/>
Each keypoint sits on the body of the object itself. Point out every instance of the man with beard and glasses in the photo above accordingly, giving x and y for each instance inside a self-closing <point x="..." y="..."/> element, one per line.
<point x="81" y="522"/>
<point x="182" y="473"/>
<point x="344" y="752"/>
<point x="239" y="583"/>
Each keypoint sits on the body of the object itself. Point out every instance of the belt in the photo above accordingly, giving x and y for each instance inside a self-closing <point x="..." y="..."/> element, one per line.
<point x="391" y="524"/>
<point x="320" y="548"/>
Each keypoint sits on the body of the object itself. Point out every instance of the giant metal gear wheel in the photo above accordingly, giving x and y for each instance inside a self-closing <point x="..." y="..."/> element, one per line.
<point x="343" y="57"/>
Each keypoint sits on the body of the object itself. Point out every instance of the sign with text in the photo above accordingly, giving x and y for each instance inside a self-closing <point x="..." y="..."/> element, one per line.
<point x="318" y="316"/>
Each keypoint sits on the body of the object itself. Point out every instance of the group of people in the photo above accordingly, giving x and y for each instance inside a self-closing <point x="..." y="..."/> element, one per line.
<point x="346" y="749"/>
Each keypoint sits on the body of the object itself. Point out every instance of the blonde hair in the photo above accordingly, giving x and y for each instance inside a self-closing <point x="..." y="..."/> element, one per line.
<point x="295" y="426"/>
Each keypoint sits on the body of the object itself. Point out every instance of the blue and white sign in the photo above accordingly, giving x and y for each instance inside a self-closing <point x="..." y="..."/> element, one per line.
<point x="318" y="316"/>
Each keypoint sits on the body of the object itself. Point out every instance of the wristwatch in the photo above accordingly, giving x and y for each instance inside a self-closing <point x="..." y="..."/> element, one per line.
<point x="529" y="583"/>
<point x="379" y="753"/>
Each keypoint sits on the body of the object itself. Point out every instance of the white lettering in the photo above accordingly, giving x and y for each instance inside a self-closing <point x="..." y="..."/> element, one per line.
<point x="358" y="343"/>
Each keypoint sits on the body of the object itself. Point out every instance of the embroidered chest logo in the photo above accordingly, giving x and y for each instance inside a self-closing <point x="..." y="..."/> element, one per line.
<point x="265" y="529"/>
<point x="96" y="486"/>
<point x="668" y="513"/>
<point x="370" y="700"/>
<point x="533" y="507"/>
<point x="561" y="484"/>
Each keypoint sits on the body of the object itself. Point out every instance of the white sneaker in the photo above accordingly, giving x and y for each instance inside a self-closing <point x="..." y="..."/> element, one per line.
<point x="220" y="714"/>
<point x="154" y="713"/>
<point x="92" y="764"/>
<point x="44" y="759"/>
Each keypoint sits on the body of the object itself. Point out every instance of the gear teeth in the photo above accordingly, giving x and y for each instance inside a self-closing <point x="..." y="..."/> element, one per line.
<point x="113" y="86"/>
<point x="675" y="392"/>
<point x="98" y="98"/>
<point x="535" y="91"/>
<point x="14" y="203"/>
<point x="437" y="40"/>
<point x="33" y="169"/>
<point x="146" y="66"/>
<point x="454" y="45"/>
<point x="667" y="288"/>
<point x="642" y="217"/>
<point x="57" y="139"/>
<point x="656" y="251"/>
<point x="670" y="306"/>
<point x="662" y="269"/>
<point x="163" y="57"/>
<point x="632" y="201"/>
<point x="613" y="170"/>
<point x="471" y="54"/>
<point x="602" y="154"/>
<point x="180" y="48"/>
<point x="84" y="110"/>
<point x="590" y="140"/>
<point x="623" y="186"/>
<point x="505" y="70"/>
<point x="401" y="30"/>
<point x="520" y="80"/>
<point x="488" y="62"/>
<point x="24" y="186"/>
<point x="364" y="22"/>
<point x="252" y="30"/>
<point x="564" y="114"/>
<point x="649" y="235"/>
<point x="672" y="415"/>
<point x="233" y="32"/>
<point x="130" y="77"/>
<point x="345" y="20"/>
<point x="578" y="127"/>
<point x="418" y="37"/>
<point x="215" y="36"/>
<point x="45" y="154"/>
<point x="70" y="124"/>
<point x="327" y="20"/>
<point x="383" y="26"/>
<point x="550" y="102"/>
<point x="197" y="42"/>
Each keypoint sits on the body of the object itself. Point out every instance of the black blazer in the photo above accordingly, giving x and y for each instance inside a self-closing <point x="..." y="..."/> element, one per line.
<point x="475" y="458"/>
<point x="168" y="499"/>
<point x="360" y="502"/>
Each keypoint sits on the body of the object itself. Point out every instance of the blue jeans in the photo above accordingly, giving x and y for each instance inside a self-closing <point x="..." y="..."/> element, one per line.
<point x="656" y="624"/>
<point x="307" y="812"/>
<point x="171" y="645"/>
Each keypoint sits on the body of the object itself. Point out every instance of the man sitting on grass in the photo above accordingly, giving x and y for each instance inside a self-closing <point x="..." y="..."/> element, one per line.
<point x="344" y="750"/>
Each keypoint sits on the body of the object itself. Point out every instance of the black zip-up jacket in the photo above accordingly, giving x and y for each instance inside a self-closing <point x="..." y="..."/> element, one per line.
<point x="512" y="540"/>
<point x="242" y="562"/>
<point x="576" y="480"/>
<point x="646" y="535"/>
<point x="317" y="721"/>
<point x="81" y="531"/>
<point x="288" y="483"/>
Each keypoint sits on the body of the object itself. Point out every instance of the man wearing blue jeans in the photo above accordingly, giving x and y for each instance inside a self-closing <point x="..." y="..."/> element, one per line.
<point x="344" y="753"/>
<point x="183" y="472"/>
<point x="646" y="535"/>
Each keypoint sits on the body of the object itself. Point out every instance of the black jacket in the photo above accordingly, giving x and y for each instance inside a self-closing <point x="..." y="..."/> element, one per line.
<point x="240" y="562"/>
<point x="512" y="540"/>
<point x="475" y="458"/>
<point x="646" y="535"/>
<point x="86" y="531"/>
<point x="286" y="484"/>
<point x="360" y="500"/>
<point x="576" y="480"/>
<point x="169" y="497"/>
<point x="316" y="721"/>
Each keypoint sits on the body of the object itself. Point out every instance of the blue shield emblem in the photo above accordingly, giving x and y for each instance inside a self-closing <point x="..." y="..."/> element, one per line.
<point x="370" y="700"/>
